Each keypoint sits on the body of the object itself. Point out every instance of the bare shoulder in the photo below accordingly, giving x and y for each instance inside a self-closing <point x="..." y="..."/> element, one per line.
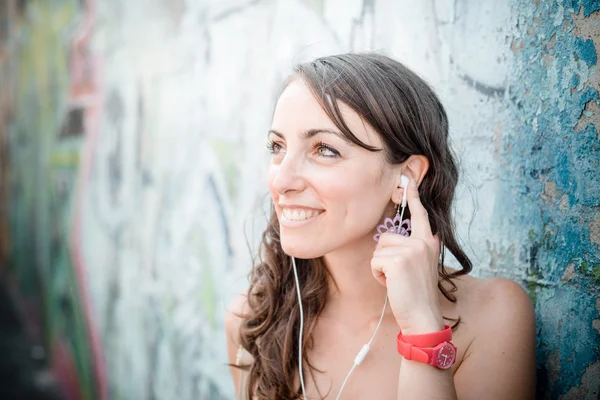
<point x="501" y="300"/>
<point x="493" y="309"/>
<point x="233" y="317"/>
<point x="500" y="320"/>
<point x="492" y="298"/>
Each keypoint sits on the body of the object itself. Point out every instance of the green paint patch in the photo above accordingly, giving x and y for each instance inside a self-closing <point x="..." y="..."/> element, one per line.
<point x="590" y="271"/>
<point x="65" y="159"/>
<point x="227" y="153"/>
<point x="596" y="273"/>
<point x="207" y="294"/>
<point x="207" y="288"/>
<point x="532" y="288"/>
<point x="532" y="285"/>
<point x="546" y="239"/>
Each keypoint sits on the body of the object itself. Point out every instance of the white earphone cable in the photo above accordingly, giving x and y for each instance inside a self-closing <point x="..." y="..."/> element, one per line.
<point x="363" y="352"/>
<point x="359" y="357"/>
<point x="301" y="328"/>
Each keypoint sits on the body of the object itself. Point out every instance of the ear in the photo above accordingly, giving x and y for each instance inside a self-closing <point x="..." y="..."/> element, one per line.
<point x="414" y="168"/>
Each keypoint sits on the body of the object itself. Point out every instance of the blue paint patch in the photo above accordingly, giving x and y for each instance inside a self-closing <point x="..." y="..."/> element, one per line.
<point x="583" y="165"/>
<point x="589" y="6"/>
<point x="574" y="81"/>
<point x="564" y="319"/>
<point x="586" y="51"/>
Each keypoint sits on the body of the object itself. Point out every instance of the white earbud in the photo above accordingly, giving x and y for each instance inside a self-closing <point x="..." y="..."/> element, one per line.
<point x="404" y="183"/>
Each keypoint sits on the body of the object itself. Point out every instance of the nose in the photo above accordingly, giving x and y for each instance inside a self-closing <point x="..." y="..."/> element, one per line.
<point x="287" y="175"/>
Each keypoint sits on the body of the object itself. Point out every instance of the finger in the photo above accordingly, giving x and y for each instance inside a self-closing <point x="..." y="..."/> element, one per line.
<point x="388" y="239"/>
<point x="419" y="220"/>
<point x="377" y="269"/>
<point x="389" y="251"/>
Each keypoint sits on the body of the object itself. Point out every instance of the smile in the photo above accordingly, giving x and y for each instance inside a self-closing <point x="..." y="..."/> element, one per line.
<point x="299" y="214"/>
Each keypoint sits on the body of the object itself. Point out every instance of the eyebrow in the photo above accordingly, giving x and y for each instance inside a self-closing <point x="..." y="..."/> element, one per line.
<point x="313" y="132"/>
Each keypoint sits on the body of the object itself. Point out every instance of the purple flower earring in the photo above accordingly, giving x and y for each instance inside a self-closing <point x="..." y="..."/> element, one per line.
<point x="396" y="225"/>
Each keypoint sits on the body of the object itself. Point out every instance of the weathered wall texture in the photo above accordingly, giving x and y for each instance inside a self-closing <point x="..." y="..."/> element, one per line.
<point x="550" y="204"/>
<point x="137" y="160"/>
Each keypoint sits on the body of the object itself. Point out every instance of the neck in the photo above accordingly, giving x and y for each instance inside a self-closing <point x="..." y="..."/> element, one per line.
<point x="352" y="287"/>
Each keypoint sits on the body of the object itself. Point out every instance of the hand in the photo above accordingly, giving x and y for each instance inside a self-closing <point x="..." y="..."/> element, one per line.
<point x="408" y="267"/>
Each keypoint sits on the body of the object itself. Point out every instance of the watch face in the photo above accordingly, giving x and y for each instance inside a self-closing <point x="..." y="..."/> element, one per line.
<point x="446" y="356"/>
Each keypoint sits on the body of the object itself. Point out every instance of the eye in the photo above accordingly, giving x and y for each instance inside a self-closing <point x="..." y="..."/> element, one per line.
<point x="324" y="150"/>
<point x="274" y="147"/>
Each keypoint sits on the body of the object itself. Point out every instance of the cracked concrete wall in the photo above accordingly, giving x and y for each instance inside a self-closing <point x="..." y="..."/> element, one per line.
<point x="171" y="187"/>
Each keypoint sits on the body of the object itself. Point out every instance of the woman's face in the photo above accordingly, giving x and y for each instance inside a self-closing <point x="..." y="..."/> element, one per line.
<point x="328" y="192"/>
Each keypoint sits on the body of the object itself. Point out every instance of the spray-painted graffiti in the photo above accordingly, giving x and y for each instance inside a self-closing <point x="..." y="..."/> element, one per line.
<point x="52" y="106"/>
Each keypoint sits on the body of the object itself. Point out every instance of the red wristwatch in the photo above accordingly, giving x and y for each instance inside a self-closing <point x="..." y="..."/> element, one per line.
<point x="430" y="348"/>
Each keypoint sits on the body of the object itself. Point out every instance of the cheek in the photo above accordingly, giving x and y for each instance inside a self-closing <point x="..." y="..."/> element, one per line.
<point x="367" y="200"/>
<point x="354" y="196"/>
<point x="342" y="192"/>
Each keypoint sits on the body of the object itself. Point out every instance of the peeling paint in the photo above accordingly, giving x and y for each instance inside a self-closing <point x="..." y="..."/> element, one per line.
<point x="596" y="322"/>
<point x="550" y="193"/>
<point x="587" y="27"/>
<point x="590" y="115"/>
<point x="569" y="273"/>
<point x="557" y="193"/>
<point x="589" y="387"/>
<point x="553" y="365"/>
<point x="594" y="227"/>
<point x="516" y="46"/>
<point x="586" y="51"/>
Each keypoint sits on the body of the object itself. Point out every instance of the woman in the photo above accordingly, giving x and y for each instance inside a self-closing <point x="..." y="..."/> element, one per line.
<point x="345" y="129"/>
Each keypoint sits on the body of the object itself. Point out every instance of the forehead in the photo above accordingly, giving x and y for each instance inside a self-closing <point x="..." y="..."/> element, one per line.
<point x="297" y="110"/>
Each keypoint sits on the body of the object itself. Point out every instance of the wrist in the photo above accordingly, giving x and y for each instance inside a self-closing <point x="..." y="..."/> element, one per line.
<point x="422" y="325"/>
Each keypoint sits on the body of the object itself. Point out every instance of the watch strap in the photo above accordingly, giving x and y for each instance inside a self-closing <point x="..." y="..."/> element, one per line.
<point x="428" y="339"/>
<point x="411" y="352"/>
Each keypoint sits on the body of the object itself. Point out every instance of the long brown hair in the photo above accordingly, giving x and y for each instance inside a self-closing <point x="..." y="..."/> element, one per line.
<point x="407" y="114"/>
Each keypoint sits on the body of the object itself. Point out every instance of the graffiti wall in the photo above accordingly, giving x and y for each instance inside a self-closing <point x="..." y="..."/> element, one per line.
<point x="48" y="78"/>
<point x="133" y="164"/>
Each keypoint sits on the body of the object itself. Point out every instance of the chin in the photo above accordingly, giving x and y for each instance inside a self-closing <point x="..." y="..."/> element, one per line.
<point x="304" y="249"/>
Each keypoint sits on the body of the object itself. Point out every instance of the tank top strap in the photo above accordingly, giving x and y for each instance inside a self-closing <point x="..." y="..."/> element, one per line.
<point x="243" y="358"/>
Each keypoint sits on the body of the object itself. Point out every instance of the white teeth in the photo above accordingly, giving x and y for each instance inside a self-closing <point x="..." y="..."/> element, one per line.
<point x="295" y="215"/>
